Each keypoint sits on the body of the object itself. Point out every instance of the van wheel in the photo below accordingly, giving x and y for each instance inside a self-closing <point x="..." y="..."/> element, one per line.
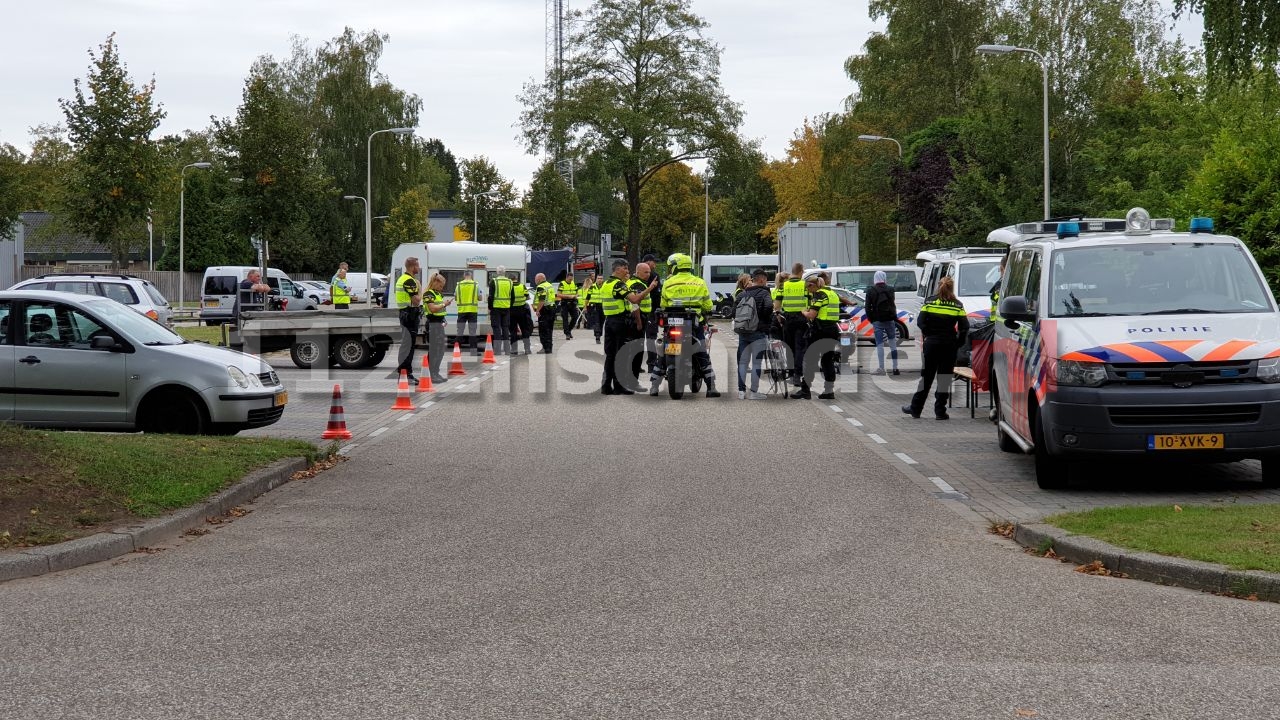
<point x="351" y="353"/>
<point x="1051" y="473"/>
<point x="1271" y="472"/>
<point x="903" y="333"/>
<point x="307" y="354"/>
<point x="173" y="411"/>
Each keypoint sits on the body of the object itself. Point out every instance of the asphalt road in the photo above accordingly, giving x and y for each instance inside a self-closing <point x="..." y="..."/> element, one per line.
<point x="508" y="552"/>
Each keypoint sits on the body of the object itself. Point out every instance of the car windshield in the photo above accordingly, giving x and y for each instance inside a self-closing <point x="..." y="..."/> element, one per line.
<point x="976" y="278"/>
<point x="897" y="280"/>
<point x="137" y="327"/>
<point x="1156" y="279"/>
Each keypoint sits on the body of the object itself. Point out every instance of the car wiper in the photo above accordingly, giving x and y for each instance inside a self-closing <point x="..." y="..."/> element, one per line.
<point x="1185" y="311"/>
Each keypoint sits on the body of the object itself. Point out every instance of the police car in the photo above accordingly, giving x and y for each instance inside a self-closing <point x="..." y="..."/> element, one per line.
<point x="1124" y="338"/>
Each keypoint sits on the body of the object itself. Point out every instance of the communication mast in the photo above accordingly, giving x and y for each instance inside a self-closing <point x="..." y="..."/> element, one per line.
<point x="554" y="64"/>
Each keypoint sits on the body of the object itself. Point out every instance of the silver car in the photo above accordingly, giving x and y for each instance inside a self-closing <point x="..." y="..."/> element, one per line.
<point x="80" y="361"/>
<point x="137" y="293"/>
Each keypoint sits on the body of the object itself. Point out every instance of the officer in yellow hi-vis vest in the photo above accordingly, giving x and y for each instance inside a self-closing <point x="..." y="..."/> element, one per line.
<point x="619" y="303"/>
<point x="567" y="296"/>
<point x="521" y="318"/>
<point x="339" y="290"/>
<point x="823" y="344"/>
<point x="794" y="300"/>
<point x="943" y="323"/>
<point x="544" y="303"/>
<point x="597" y="307"/>
<point x="690" y="292"/>
<point x="500" y="292"/>
<point x="409" y="300"/>
<point x="467" y="295"/>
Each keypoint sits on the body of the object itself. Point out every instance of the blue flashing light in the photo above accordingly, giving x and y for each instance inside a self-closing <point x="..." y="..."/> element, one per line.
<point x="1068" y="229"/>
<point x="1201" y="224"/>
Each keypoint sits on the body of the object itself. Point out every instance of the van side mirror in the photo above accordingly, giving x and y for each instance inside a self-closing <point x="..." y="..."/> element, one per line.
<point x="297" y="292"/>
<point x="1014" y="310"/>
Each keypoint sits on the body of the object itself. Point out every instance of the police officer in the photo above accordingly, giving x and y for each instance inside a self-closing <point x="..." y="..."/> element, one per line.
<point x="596" y="293"/>
<point x="567" y="295"/>
<point x="435" y="303"/>
<point x="544" y="303"/>
<point x="500" y="292"/>
<point x="409" y="300"/>
<point x="691" y="292"/>
<point x="646" y="284"/>
<point x="794" y="300"/>
<point x="521" y="319"/>
<point x="467" y="293"/>
<point x="617" y="304"/>
<point x="339" y="290"/>
<point x="823" y="315"/>
<point x="943" y="324"/>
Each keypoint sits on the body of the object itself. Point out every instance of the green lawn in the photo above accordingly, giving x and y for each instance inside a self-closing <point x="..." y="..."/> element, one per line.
<point x="1244" y="537"/>
<point x="201" y="333"/>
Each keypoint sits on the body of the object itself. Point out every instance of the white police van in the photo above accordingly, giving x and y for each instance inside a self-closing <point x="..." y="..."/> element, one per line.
<point x="1124" y="338"/>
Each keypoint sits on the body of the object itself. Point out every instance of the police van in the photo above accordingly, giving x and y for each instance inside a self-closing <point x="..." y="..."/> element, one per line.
<point x="1123" y="338"/>
<point x="974" y="270"/>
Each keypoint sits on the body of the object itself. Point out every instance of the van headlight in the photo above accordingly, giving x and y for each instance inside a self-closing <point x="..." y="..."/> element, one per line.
<point x="1269" y="370"/>
<point x="1081" y="374"/>
<point x="240" y="378"/>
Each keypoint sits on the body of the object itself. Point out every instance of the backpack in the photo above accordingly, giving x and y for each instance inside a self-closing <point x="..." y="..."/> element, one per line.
<point x="881" y="304"/>
<point x="746" y="319"/>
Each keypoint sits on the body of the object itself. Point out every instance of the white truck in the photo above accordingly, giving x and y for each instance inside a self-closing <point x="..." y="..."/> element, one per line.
<point x="824" y="242"/>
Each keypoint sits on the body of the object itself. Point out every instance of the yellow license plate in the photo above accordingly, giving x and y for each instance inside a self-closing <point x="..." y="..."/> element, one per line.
<point x="281" y="398"/>
<point x="1209" y="441"/>
<point x="673" y="348"/>
<point x="211" y="303"/>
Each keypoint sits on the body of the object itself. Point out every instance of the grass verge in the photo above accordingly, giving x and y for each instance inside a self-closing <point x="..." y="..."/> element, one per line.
<point x="200" y="333"/>
<point x="1243" y="537"/>
<point x="56" y="486"/>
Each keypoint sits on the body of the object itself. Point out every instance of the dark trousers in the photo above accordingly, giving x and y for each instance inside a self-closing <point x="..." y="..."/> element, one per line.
<point x="822" y="349"/>
<point x="467" y="330"/>
<point x="568" y="316"/>
<point x="638" y="334"/>
<point x="939" y="359"/>
<point x="500" y="321"/>
<point x="618" y="331"/>
<point x="546" y="327"/>
<point x="408" y="335"/>
<point x="597" y="316"/>
<point x="343" y="306"/>
<point x="521" y="326"/>
<point x="796" y="336"/>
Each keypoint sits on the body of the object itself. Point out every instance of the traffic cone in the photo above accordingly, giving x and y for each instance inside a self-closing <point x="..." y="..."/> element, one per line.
<point x="424" y="380"/>
<point x="337" y="429"/>
<point x="402" y="393"/>
<point x="488" y="351"/>
<point x="455" y="368"/>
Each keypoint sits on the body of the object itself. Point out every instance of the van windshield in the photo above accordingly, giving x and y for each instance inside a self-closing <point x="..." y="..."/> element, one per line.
<point x="977" y="278"/>
<point x="1156" y="279"/>
<point x="897" y="280"/>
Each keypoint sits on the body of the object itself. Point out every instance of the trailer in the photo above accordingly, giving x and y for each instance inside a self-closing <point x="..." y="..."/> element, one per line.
<point x="814" y="243"/>
<point x="350" y="339"/>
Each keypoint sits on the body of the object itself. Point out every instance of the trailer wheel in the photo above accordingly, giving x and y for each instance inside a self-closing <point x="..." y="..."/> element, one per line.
<point x="307" y="354"/>
<point x="351" y="353"/>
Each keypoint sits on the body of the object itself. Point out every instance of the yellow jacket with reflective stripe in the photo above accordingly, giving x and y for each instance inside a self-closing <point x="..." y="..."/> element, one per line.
<point x="501" y="292"/>
<point x="406" y="286"/>
<point x="468" y="295"/>
<point x="684" y="289"/>
<point x="612" y="305"/>
<point x="338" y="291"/>
<point x="829" y="310"/>
<point x="794" y="297"/>
<point x="569" y="289"/>
<point x="519" y="295"/>
<point x="546" y="295"/>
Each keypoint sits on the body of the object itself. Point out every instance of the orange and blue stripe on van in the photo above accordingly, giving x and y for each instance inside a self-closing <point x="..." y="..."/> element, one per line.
<point x="1177" y="351"/>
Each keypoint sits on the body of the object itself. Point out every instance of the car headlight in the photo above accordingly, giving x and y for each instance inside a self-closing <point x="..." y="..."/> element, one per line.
<point x="1083" y="374"/>
<point x="1269" y="370"/>
<point x="238" y="377"/>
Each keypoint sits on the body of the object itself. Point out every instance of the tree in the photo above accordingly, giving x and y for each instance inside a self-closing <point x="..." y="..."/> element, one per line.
<point x="795" y="180"/>
<point x="48" y="169"/>
<point x="552" y="209"/>
<point x="12" y="197"/>
<point x="446" y="162"/>
<point x="116" y="161"/>
<point x="408" y="222"/>
<point x="672" y="207"/>
<point x="742" y="200"/>
<point x="1238" y="35"/>
<point x="641" y="86"/>
<point x="499" y="214"/>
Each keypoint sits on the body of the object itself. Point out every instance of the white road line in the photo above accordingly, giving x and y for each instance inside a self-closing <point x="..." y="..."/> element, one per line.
<point x="854" y="422"/>
<point x="836" y="408"/>
<point x="906" y="459"/>
<point x="346" y="449"/>
<point x="943" y="485"/>
<point x="877" y="438"/>
<point x="428" y="404"/>
<point x="379" y="431"/>
<point x="410" y="416"/>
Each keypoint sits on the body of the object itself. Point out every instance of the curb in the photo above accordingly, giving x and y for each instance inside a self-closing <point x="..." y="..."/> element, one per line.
<point x="130" y="538"/>
<point x="1160" y="569"/>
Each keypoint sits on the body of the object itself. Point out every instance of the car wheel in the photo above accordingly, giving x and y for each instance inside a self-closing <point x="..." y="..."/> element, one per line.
<point x="1271" y="472"/>
<point x="351" y="353"/>
<point x="307" y="354"/>
<point x="1051" y="473"/>
<point x="173" y="411"/>
<point x="903" y="332"/>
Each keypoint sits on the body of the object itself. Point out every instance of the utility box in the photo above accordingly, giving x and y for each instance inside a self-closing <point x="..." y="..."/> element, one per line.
<point x="831" y="243"/>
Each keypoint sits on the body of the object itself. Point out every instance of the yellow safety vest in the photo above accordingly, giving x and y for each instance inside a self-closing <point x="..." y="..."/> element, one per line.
<point x="430" y="297"/>
<point x="519" y="295"/>
<point x="827" y="303"/>
<point x="501" y="293"/>
<point x="339" y="292"/>
<point x="794" y="298"/>
<point x="612" y="305"/>
<point x="546" y="295"/>
<point x="639" y="286"/>
<point x="569" y="289"/>
<point x="406" y="287"/>
<point x="468" y="296"/>
<point x="945" y="308"/>
<point x="688" y="291"/>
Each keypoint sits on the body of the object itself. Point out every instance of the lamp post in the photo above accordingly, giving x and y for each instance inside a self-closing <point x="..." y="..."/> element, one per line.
<point x="897" y="226"/>
<point x="368" y="215"/>
<point x="1044" y="69"/>
<point x="706" y="213"/>
<point x="475" y="212"/>
<point x="182" y="225"/>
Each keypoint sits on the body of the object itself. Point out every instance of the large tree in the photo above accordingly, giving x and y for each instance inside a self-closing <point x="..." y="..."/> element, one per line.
<point x="499" y="213"/>
<point x="1238" y="34"/>
<point x="672" y="203"/>
<point x="641" y="86"/>
<point x="116" y="161"/>
<point x="408" y="222"/>
<point x="552" y="209"/>
<point x="12" y="197"/>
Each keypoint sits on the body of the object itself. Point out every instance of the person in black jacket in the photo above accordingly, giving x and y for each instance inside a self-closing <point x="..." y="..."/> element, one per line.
<point x="943" y="323"/>
<point x="753" y="344"/>
<point x="882" y="310"/>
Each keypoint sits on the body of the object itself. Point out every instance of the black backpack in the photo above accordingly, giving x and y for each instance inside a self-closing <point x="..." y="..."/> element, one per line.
<point x="746" y="318"/>
<point x="880" y="304"/>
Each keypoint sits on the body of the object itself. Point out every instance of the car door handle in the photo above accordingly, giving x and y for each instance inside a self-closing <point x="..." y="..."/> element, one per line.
<point x="30" y="360"/>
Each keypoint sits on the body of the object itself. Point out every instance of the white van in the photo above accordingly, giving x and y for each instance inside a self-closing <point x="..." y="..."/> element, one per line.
<point x="1124" y="339"/>
<point x="904" y="279"/>
<point x="221" y="283"/>
<point x="453" y="259"/>
<point x="974" y="270"/>
<point x="721" y="271"/>
<point x="356" y="285"/>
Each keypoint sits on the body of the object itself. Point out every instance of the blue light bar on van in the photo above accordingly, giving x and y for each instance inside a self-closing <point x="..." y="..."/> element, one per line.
<point x="1068" y="229"/>
<point x="1201" y="224"/>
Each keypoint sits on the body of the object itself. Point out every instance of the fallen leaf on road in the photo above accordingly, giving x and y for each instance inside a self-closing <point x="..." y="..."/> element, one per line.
<point x="1001" y="529"/>
<point x="1177" y="508"/>
<point x="1097" y="568"/>
<point x="237" y="512"/>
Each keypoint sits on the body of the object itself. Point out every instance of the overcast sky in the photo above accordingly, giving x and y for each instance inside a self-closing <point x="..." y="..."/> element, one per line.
<point x="467" y="59"/>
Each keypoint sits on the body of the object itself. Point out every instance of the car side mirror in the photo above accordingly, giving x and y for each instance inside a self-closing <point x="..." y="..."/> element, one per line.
<point x="1014" y="310"/>
<point x="297" y="292"/>
<point x="103" y="342"/>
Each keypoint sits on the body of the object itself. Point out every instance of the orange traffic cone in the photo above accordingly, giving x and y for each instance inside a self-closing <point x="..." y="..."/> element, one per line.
<point x="424" y="381"/>
<point x="402" y="393"/>
<point x="488" y="351"/>
<point x="337" y="429"/>
<point x="455" y="368"/>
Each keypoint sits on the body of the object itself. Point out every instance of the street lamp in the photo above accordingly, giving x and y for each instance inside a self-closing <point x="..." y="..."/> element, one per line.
<point x="897" y="226"/>
<point x="182" y="224"/>
<point x="1044" y="69"/>
<point x="368" y="217"/>
<point x="706" y="213"/>
<point x="475" y="212"/>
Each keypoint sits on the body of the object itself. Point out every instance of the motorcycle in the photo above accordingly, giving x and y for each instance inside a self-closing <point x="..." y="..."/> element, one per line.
<point x="723" y="306"/>
<point x="678" y="342"/>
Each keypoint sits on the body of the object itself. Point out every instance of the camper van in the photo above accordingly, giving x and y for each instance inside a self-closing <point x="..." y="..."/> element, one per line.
<point x="721" y="271"/>
<point x="453" y="259"/>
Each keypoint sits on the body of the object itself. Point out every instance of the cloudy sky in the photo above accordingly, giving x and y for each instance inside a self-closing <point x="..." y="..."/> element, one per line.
<point x="466" y="59"/>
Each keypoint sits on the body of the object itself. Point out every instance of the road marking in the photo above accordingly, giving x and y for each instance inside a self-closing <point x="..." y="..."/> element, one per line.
<point x="410" y="416"/>
<point x="943" y="485"/>
<point x="836" y="408"/>
<point x="428" y="404"/>
<point x="379" y="431"/>
<point x="877" y="438"/>
<point x="906" y="459"/>
<point x="345" y="449"/>
<point x="854" y="422"/>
